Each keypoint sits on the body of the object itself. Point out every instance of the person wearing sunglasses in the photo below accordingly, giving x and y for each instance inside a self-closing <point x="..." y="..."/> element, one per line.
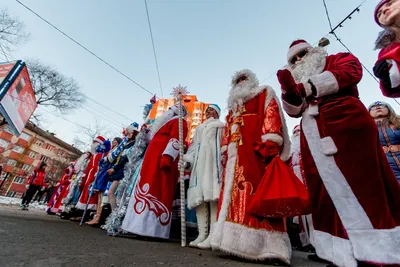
<point x="388" y="123"/>
<point x="354" y="194"/>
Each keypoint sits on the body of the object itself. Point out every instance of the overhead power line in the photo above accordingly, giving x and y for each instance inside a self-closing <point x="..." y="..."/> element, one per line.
<point x="85" y="48"/>
<point x="154" y="49"/>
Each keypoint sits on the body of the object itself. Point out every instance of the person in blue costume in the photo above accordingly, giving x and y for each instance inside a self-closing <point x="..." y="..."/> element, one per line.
<point x="116" y="172"/>
<point x="388" y="123"/>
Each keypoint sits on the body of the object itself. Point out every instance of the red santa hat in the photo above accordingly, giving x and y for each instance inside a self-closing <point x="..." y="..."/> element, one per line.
<point x="99" y="139"/>
<point x="296" y="47"/>
<point x="378" y="6"/>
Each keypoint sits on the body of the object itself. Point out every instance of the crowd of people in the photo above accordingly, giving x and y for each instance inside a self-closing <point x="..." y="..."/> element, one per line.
<point x="345" y="156"/>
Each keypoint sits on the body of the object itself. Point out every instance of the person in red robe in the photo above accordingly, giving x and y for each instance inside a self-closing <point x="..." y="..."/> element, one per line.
<point x="387" y="15"/>
<point x="354" y="194"/>
<point x="54" y="205"/>
<point x="98" y="151"/>
<point x="255" y="133"/>
<point x="149" y="210"/>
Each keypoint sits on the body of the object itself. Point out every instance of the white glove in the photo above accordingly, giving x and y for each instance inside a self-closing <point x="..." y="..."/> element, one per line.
<point x="179" y="165"/>
<point x="27" y="186"/>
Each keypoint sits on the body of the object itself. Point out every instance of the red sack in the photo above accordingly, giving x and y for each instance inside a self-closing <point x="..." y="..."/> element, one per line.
<point x="280" y="193"/>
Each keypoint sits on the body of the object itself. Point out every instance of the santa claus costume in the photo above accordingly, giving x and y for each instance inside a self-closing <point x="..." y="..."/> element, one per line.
<point x="355" y="199"/>
<point x="54" y="205"/>
<point x="150" y="207"/>
<point x="98" y="151"/>
<point x="255" y="133"/>
<point x="304" y="221"/>
<point x="387" y="15"/>
<point x="203" y="159"/>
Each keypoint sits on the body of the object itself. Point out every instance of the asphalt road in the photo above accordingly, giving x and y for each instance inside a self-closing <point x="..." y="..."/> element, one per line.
<point x="32" y="238"/>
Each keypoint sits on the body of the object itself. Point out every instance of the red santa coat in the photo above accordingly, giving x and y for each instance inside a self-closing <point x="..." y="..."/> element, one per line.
<point x="392" y="55"/>
<point x="354" y="193"/>
<point x="236" y="232"/>
<point x="150" y="207"/>
<point x="87" y="180"/>
<point x="60" y="192"/>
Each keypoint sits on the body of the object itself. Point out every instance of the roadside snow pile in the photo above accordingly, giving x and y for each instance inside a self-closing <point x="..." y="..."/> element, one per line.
<point x="17" y="202"/>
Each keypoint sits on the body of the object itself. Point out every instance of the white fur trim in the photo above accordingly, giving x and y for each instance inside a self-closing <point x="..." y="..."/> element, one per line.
<point x="252" y="244"/>
<point x="172" y="148"/>
<point x="367" y="242"/>
<point x="223" y="149"/>
<point x="307" y="88"/>
<point x="294" y="50"/>
<point x="285" y="154"/>
<point x="313" y="110"/>
<point x="334" y="249"/>
<point x="99" y="140"/>
<point x="394" y="74"/>
<point x="325" y="84"/>
<point x="383" y="245"/>
<point x="276" y="138"/>
<point x="292" y="110"/>
<point x="328" y="146"/>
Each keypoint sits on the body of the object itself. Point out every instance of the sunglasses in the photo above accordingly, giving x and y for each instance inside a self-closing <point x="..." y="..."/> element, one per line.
<point x="299" y="55"/>
<point x="378" y="106"/>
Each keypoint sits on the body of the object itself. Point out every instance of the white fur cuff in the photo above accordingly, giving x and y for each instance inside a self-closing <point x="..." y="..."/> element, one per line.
<point x="292" y="110"/>
<point x="276" y="138"/>
<point x="325" y="84"/>
<point x="328" y="146"/>
<point x="172" y="148"/>
<point x="307" y="88"/>
<point x="394" y="74"/>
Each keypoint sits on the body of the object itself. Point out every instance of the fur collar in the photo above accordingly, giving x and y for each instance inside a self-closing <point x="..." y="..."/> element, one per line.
<point x="244" y="91"/>
<point x="161" y="121"/>
<point x="213" y="123"/>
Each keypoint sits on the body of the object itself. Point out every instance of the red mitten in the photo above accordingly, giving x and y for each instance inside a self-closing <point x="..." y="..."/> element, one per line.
<point x="288" y="84"/>
<point x="266" y="150"/>
<point x="166" y="163"/>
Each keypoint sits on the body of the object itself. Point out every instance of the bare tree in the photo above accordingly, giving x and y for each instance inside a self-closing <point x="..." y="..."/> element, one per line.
<point x="53" y="89"/>
<point x="88" y="133"/>
<point x="12" y="31"/>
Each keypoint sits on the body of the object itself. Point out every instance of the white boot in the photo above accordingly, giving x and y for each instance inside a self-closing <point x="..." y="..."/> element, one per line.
<point x="202" y="224"/>
<point x="206" y="244"/>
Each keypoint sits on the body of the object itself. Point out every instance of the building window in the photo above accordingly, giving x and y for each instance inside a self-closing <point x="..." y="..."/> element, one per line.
<point x="60" y="153"/>
<point x="32" y="154"/>
<point x="3" y="143"/>
<point x="12" y="162"/>
<point x="39" y="142"/>
<point x="18" y="149"/>
<point x="44" y="158"/>
<point x="49" y="147"/>
<point x="19" y="180"/>
<point x="25" y="136"/>
<point x="11" y="194"/>
<point x="26" y="167"/>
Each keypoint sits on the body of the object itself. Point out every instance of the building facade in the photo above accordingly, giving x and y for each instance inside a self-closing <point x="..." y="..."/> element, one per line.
<point x="20" y="155"/>
<point x="196" y="111"/>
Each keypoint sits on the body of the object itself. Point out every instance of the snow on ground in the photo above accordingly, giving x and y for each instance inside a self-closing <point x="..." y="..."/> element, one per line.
<point x="17" y="201"/>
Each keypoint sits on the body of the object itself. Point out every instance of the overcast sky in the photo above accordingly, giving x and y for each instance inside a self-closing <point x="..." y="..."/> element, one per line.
<point x="199" y="43"/>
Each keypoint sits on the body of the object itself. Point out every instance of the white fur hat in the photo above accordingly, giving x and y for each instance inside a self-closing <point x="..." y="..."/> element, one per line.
<point x="175" y="108"/>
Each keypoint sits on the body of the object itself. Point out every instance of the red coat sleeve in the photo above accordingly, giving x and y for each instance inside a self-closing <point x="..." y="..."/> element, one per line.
<point x="172" y="148"/>
<point x="343" y="70"/>
<point x="392" y="55"/>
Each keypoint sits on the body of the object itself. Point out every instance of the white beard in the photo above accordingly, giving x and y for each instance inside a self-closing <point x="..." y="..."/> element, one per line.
<point x="311" y="64"/>
<point x="93" y="147"/>
<point x="295" y="149"/>
<point x="241" y="93"/>
<point x="160" y="121"/>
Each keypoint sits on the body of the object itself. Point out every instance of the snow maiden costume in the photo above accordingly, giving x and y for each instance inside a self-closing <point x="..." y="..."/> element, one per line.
<point x="255" y="133"/>
<point x="355" y="199"/>
<point x="203" y="159"/>
<point x="149" y="210"/>
<point x="131" y="173"/>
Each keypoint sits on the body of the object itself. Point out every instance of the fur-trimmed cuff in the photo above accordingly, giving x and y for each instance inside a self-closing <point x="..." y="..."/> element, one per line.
<point x="292" y="110"/>
<point x="394" y="74"/>
<point x="172" y="148"/>
<point x="276" y="138"/>
<point x="325" y="84"/>
<point x="307" y="89"/>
